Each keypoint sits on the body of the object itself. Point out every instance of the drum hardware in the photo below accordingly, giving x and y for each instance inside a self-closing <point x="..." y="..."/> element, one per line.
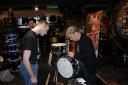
<point x="67" y="67"/>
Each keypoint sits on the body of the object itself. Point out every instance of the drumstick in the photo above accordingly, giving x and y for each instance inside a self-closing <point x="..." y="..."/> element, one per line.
<point x="67" y="47"/>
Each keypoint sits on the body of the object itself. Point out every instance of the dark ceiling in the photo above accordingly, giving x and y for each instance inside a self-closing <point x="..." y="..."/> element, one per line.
<point x="61" y="4"/>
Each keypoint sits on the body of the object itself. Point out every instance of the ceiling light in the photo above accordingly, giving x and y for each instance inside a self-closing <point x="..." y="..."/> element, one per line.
<point x="36" y="8"/>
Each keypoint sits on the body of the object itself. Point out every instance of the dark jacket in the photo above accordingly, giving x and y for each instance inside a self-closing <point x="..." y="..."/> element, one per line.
<point x="86" y="54"/>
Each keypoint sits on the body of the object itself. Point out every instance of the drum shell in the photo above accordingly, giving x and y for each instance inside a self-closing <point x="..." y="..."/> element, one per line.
<point x="57" y="50"/>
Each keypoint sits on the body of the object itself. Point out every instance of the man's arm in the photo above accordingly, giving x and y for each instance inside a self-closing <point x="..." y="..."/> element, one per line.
<point x="26" y="62"/>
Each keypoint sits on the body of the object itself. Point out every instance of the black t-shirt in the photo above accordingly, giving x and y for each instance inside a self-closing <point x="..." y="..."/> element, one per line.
<point x="30" y="42"/>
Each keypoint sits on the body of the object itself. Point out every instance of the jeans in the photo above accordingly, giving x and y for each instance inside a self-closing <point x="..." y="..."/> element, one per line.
<point x="26" y="75"/>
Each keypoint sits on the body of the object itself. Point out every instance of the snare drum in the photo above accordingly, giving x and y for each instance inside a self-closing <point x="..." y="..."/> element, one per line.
<point x="68" y="67"/>
<point x="58" y="48"/>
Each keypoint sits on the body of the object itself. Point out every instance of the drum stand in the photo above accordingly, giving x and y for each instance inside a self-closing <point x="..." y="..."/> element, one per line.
<point x="55" y="77"/>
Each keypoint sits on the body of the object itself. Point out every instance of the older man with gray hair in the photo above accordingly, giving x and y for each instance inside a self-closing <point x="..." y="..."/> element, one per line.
<point x="85" y="54"/>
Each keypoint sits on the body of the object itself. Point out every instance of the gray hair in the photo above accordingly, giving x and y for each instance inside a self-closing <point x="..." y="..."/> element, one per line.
<point x="71" y="30"/>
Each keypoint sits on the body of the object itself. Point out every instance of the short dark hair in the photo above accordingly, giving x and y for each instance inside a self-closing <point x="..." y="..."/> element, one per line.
<point x="32" y="19"/>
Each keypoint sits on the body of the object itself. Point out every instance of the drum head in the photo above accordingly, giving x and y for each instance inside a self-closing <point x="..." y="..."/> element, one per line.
<point x="65" y="67"/>
<point x="58" y="44"/>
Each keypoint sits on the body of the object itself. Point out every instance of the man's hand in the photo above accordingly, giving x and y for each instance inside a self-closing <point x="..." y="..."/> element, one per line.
<point x="34" y="80"/>
<point x="71" y="54"/>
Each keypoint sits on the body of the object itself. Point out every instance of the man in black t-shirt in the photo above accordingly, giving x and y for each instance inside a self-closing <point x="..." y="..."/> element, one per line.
<point x="30" y="46"/>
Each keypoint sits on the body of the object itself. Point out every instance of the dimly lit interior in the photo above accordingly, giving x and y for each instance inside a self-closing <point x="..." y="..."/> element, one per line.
<point x="103" y="21"/>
